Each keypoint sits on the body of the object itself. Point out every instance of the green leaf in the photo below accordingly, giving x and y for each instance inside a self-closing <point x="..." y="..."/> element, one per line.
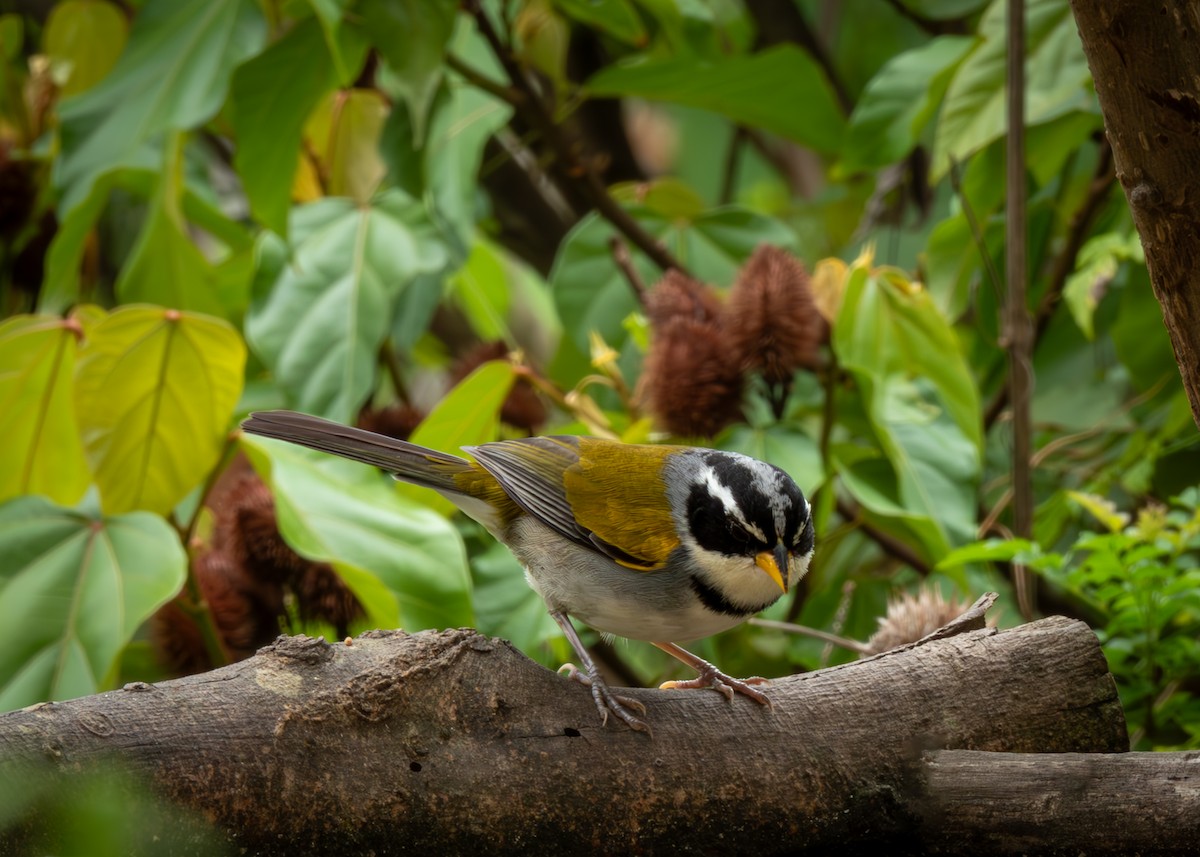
<point x="1057" y="81"/>
<point x="921" y="404"/>
<point x="172" y="76"/>
<point x="405" y="563"/>
<point x="899" y="101"/>
<point x="616" y="18"/>
<point x="802" y="108"/>
<point x="888" y="326"/>
<point x="992" y="550"/>
<point x="1138" y="334"/>
<point x="155" y="390"/>
<point x="411" y="35"/>
<point x="781" y="445"/>
<point x="42" y="452"/>
<point x="592" y="294"/>
<point x="446" y="167"/>
<point x="873" y="483"/>
<point x="345" y="62"/>
<point x="469" y="414"/>
<point x="1095" y="267"/>
<point x="88" y="37"/>
<point x="321" y="324"/>
<point x="165" y="267"/>
<point x="74" y="587"/>
<point x="270" y="98"/>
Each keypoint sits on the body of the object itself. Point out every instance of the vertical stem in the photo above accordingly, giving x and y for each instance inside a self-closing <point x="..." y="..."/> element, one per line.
<point x="1020" y="329"/>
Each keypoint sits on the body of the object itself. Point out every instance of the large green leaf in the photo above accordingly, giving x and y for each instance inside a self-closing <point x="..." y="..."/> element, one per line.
<point x="42" y="452"/>
<point x="469" y="414"/>
<point x="781" y="90"/>
<point x="1057" y="80"/>
<point x="155" y="390"/>
<point x="172" y="76"/>
<point x="888" y="326"/>
<point x="899" y="102"/>
<point x="411" y="35"/>
<point x="74" y="587"/>
<point x="592" y="294"/>
<point x="270" y="98"/>
<point x="320" y="325"/>
<point x="922" y="407"/>
<point x="405" y="563"/>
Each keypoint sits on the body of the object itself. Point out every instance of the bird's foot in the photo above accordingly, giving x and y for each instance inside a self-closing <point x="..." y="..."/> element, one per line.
<point x="607" y="701"/>
<point x="712" y="677"/>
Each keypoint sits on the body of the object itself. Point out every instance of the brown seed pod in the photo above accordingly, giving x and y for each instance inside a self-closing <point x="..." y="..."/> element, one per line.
<point x="688" y="380"/>
<point x="912" y="617"/>
<point x="771" y="322"/>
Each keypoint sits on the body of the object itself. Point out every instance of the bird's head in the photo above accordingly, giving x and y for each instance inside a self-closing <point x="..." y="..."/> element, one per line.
<point x="737" y="513"/>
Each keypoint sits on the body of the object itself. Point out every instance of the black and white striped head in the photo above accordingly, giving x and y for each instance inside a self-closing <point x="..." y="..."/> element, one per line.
<point x="735" y="506"/>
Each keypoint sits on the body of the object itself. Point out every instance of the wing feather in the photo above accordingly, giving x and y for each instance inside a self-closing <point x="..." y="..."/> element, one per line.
<point x="601" y="494"/>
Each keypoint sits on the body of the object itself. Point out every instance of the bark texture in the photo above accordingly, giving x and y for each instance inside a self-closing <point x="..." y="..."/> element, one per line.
<point x="1069" y="804"/>
<point x="1146" y="66"/>
<point x="452" y="743"/>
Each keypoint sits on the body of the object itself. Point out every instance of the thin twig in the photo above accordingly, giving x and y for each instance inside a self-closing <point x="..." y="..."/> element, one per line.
<point x="890" y="545"/>
<point x="1020" y="325"/>
<point x="513" y="97"/>
<point x="620" y="254"/>
<point x="590" y="185"/>
<point x="1082" y="221"/>
<point x="729" y="170"/>
<point x="816" y="634"/>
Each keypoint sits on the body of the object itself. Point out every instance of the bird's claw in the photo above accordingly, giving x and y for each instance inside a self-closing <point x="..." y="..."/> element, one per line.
<point x="607" y="701"/>
<point x="725" y="685"/>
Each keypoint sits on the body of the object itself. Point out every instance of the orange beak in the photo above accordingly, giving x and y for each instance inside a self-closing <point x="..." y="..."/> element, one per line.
<point x="775" y="564"/>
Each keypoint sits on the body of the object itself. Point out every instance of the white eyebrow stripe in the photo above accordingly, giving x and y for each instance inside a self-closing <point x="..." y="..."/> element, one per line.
<point x="717" y="489"/>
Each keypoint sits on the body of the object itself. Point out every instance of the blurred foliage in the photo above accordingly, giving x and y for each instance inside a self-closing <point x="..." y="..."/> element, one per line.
<point x="214" y="206"/>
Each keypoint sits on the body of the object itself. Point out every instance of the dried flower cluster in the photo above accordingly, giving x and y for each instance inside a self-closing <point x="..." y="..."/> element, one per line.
<point x="702" y="350"/>
<point x="911" y="617"/>
<point x="244" y="578"/>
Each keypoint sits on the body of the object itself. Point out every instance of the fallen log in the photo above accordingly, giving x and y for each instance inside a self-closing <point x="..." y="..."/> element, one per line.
<point x="453" y="742"/>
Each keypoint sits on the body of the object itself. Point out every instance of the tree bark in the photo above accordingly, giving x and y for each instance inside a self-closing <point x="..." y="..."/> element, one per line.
<point x="452" y="743"/>
<point x="1146" y="68"/>
<point x="1072" y="803"/>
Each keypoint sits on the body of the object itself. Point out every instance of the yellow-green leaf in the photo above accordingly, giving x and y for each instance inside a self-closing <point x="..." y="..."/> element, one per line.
<point x="155" y="391"/>
<point x="87" y="36"/>
<point x="41" y="452"/>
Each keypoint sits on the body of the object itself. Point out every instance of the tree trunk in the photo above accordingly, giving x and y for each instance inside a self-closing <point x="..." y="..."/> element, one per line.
<point x="1146" y="66"/>
<point x="452" y="743"/>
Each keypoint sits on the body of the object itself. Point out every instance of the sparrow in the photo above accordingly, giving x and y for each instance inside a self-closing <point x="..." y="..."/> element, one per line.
<point x="650" y="542"/>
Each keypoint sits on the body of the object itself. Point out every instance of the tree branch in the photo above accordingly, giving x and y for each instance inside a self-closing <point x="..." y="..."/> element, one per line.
<point x="534" y="109"/>
<point x="455" y="743"/>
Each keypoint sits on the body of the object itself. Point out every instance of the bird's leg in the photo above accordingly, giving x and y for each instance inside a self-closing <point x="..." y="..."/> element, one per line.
<point x="712" y="677"/>
<point x="605" y="699"/>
